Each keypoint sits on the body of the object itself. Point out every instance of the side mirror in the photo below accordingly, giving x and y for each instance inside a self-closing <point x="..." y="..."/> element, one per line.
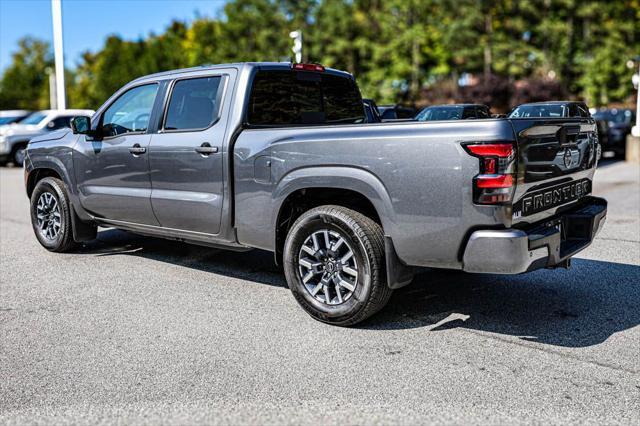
<point x="81" y="125"/>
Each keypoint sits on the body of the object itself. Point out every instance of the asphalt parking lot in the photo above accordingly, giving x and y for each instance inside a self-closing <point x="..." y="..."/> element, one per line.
<point x="138" y="330"/>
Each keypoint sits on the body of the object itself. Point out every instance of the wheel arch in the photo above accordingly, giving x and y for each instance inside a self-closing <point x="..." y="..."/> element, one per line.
<point x="36" y="175"/>
<point x="347" y="186"/>
<point x="83" y="229"/>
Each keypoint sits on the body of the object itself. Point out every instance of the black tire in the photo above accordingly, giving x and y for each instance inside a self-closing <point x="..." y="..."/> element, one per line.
<point x="365" y="239"/>
<point x="63" y="239"/>
<point x="17" y="154"/>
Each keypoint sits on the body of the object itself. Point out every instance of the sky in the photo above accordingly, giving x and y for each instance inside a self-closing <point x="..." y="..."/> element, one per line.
<point x="86" y="23"/>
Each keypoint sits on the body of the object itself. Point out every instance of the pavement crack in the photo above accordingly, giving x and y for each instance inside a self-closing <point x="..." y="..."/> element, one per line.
<point x="550" y="351"/>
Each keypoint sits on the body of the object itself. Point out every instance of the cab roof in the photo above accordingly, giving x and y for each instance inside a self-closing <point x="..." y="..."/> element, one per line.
<point x="205" y="67"/>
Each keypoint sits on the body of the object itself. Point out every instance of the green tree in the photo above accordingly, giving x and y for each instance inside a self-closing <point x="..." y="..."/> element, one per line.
<point x="24" y="83"/>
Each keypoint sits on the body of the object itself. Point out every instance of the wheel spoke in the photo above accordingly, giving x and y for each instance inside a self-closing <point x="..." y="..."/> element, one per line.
<point x="316" y="246"/>
<point x="307" y="263"/>
<point x="309" y="250"/>
<point x="327" y="245"/>
<point x="327" y="300"/>
<point x="338" y="294"/>
<point x="307" y="277"/>
<point x="346" y="284"/>
<point x="317" y="288"/>
<point x="346" y="257"/>
<point x="349" y="270"/>
<point x="337" y="244"/>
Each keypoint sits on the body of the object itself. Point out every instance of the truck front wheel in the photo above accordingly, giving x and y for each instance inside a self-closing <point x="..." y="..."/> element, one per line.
<point x="335" y="266"/>
<point x="51" y="215"/>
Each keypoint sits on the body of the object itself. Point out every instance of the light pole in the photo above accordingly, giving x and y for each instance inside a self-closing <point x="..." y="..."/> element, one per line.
<point x="297" y="44"/>
<point x="52" y="87"/>
<point x="56" y="14"/>
<point x="635" y="131"/>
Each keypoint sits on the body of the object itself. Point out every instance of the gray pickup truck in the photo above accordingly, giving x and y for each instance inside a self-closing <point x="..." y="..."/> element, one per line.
<point x="279" y="157"/>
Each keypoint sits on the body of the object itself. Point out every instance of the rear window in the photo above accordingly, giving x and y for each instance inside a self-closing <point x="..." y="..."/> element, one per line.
<point x="285" y="98"/>
<point x="441" y="113"/>
<point x="543" y="110"/>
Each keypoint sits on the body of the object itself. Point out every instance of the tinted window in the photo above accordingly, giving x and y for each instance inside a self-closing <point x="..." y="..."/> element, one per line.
<point x="527" y="111"/>
<point x="34" y="118"/>
<point x="280" y="98"/>
<point x="484" y="112"/>
<point x="59" y="123"/>
<point x="469" y="112"/>
<point x="389" y="114"/>
<point x="440" y="113"/>
<point x="9" y="120"/>
<point x="193" y="104"/>
<point x="583" y="111"/>
<point x="130" y="112"/>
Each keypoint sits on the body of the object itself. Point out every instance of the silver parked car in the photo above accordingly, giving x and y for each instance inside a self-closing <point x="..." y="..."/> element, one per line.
<point x="15" y="137"/>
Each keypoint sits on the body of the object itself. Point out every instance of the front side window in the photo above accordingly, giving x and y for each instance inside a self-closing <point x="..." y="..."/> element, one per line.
<point x="194" y="104"/>
<point x="130" y="112"/>
<point x="290" y="98"/>
<point x="59" y="123"/>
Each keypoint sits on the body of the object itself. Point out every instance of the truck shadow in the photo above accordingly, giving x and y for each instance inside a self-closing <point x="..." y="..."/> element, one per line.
<point x="580" y="307"/>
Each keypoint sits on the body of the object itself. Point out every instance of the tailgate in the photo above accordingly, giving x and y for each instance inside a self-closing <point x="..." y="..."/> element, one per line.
<point x="556" y="162"/>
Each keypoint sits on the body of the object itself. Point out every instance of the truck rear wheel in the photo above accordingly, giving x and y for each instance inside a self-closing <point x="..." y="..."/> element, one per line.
<point x="335" y="266"/>
<point x="51" y="215"/>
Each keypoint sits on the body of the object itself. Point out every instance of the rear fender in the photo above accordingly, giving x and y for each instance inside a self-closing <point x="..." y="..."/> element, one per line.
<point x="353" y="179"/>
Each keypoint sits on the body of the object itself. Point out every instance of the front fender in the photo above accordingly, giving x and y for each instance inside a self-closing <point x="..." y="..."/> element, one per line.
<point x="57" y="156"/>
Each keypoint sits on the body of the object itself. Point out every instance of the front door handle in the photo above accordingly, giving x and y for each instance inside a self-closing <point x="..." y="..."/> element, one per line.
<point x="206" y="149"/>
<point x="137" y="149"/>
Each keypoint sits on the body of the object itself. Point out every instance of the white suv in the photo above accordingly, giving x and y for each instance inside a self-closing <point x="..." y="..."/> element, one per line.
<point x="15" y="137"/>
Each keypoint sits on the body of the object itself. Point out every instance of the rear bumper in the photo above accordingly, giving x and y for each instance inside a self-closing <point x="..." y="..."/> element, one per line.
<point x="541" y="245"/>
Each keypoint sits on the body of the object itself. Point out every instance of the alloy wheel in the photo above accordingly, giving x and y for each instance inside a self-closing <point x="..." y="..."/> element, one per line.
<point x="327" y="267"/>
<point x="48" y="216"/>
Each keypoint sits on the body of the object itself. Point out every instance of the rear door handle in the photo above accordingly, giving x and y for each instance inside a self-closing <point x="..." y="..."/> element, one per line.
<point x="206" y="149"/>
<point x="137" y="149"/>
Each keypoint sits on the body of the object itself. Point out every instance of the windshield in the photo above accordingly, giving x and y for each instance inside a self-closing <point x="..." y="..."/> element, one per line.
<point x="614" y="116"/>
<point x="7" y="120"/>
<point x="440" y="113"/>
<point x="34" y="118"/>
<point x="553" y="111"/>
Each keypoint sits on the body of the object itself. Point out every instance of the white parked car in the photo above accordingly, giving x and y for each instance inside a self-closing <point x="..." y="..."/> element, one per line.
<point x="12" y="116"/>
<point x="15" y="137"/>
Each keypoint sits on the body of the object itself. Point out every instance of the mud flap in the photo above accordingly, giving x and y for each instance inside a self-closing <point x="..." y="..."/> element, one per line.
<point x="82" y="231"/>
<point x="398" y="274"/>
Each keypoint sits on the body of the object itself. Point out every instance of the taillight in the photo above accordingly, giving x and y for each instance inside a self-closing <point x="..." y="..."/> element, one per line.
<point x="494" y="184"/>
<point x="308" y="67"/>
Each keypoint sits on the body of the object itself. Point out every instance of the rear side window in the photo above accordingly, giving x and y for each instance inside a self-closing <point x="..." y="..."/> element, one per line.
<point x="285" y="98"/>
<point x="193" y="104"/>
<point x="483" y="113"/>
<point x="469" y="112"/>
